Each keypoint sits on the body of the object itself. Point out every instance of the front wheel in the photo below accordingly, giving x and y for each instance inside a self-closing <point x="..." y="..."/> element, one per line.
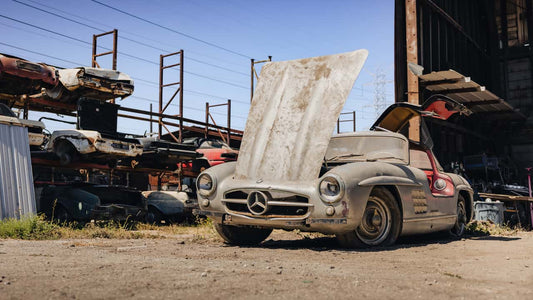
<point x="459" y="227"/>
<point x="242" y="235"/>
<point x="380" y="224"/>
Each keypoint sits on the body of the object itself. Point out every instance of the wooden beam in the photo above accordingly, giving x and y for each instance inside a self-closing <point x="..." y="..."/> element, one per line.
<point x="411" y="37"/>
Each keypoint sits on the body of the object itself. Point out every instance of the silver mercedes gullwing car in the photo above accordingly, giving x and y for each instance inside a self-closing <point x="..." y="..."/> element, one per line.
<point x="367" y="188"/>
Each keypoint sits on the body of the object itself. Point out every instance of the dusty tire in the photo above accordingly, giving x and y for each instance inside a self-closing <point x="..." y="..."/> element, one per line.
<point x="234" y="235"/>
<point x="459" y="227"/>
<point x="153" y="216"/>
<point x="380" y="224"/>
<point x="61" y="215"/>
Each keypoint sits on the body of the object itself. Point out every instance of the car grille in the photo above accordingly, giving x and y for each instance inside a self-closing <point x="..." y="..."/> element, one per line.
<point x="278" y="205"/>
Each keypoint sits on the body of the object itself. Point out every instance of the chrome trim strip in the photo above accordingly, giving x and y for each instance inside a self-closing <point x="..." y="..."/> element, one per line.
<point x="283" y="203"/>
<point x="271" y="203"/>
<point x="267" y="218"/>
<point x="429" y="218"/>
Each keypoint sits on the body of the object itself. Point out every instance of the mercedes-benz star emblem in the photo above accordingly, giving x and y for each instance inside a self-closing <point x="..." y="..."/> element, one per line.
<point x="257" y="203"/>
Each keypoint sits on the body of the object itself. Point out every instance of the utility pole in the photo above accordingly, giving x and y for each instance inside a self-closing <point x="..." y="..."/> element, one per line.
<point x="380" y="97"/>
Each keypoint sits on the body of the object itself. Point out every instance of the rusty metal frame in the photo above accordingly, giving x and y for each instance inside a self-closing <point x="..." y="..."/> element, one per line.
<point x="339" y="121"/>
<point x="235" y="134"/>
<point x="113" y="52"/>
<point x="209" y="116"/>
<point x="162" y="85"/>
<point x="253" y="73"/>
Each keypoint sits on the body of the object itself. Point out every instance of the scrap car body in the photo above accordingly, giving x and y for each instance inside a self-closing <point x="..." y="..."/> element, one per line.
<point x="172" y="206"/>
<point x="21" y="77"/>
<point x="366" y="188"/>
<point x="96" y="136"/>
<point x="102" y="84"/>
<point x="81" y="201"/>
<point x="163" y="154"/>
<point x="216" y="151"/>
<point x="36" y="135"/>
<point x="72" y="144"/>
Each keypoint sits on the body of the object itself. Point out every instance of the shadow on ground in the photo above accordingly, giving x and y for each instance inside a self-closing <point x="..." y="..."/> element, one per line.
<point x="330" y="243"/>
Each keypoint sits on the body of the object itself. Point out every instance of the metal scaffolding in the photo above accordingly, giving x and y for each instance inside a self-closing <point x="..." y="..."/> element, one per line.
<point x="179" y="90"/>
<point x="352" y="120"/>
<point x="209" y="116"/>
<point x="253" y="73"/>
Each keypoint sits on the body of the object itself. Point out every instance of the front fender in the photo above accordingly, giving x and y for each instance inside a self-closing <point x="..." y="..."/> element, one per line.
<point x="360" y="178"/>
<point x="79" y="209"/>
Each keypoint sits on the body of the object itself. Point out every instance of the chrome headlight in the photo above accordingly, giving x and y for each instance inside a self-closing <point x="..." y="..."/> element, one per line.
<point x="439" y="184"/>
<point x="331" y="188"/>
<point x="205" y="184"/>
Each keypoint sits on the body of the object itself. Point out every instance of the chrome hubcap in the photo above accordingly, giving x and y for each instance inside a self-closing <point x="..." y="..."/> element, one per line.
<point x="376" y="223"/>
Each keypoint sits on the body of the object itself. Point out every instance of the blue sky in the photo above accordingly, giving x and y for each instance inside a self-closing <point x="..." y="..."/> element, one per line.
<point x="217" y="67"/>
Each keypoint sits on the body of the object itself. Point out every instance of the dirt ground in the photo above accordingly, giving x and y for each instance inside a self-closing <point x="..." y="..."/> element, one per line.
<point x="287" y="266"/>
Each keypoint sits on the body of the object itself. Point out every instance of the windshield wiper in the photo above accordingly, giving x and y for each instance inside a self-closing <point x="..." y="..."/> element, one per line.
<point x="344" y="156"/>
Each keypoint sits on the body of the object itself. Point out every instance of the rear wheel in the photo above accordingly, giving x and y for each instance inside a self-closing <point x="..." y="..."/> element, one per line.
<point x="380" y="224"/>
<point x="459" y="227"/>
<point x="242" y="235"/>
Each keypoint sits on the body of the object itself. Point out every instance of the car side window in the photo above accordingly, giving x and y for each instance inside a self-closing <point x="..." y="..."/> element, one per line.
<point x="419" y="159"/>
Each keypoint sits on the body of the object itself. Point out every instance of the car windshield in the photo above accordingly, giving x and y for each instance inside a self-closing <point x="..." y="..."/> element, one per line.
<point x="367" y="148"/>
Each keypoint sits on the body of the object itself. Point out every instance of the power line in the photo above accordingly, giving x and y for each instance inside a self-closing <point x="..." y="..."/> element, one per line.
<point x="135" y="78"/>
<point x="125" y="38"/>
<point x="34" y="52"/>
<point x="44" y="29"/>
<point x="125" y="31"/>
<point x="172" y="30"/>
<point x="188" y="107"/>
<point x="153" y="83"/>
<point x="122" y="53"/>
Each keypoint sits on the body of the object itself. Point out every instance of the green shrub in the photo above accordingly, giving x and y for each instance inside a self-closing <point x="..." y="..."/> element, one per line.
<point x="29" y="228"/>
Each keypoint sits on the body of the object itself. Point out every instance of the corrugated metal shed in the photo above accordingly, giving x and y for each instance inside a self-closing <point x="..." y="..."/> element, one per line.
<point x="17" y="196"/>
<point x="463" y="90"/>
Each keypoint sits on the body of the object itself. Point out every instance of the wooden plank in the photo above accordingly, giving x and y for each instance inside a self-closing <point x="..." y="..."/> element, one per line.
<point x="503" y="197"/>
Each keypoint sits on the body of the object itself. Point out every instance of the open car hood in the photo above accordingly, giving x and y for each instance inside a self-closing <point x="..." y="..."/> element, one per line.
<point x="293" y="113"/>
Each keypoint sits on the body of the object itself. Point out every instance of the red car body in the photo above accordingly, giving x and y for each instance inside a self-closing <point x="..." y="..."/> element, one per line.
<point x="217" y="152"/>
<point x="19" y="76"/>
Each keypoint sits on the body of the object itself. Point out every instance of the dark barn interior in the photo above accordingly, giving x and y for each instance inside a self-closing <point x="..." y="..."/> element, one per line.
<point x="487" y="46"/>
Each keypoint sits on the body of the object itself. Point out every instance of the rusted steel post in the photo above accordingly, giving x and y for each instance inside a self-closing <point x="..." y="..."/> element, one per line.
<point x="93" y="60"/>
<point x="354" y="121"/>
<point x="26" y="106"/>
<point x="206" y="119"/>
<point x="412" y="56"/>
<point x="115" y="43"/>
<point x="180" y="137"/>
<point x="151" y="123"/>
<point x="160" y="127"/>
<point x="251" y="79"/>
<point x="229" y="122"/>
